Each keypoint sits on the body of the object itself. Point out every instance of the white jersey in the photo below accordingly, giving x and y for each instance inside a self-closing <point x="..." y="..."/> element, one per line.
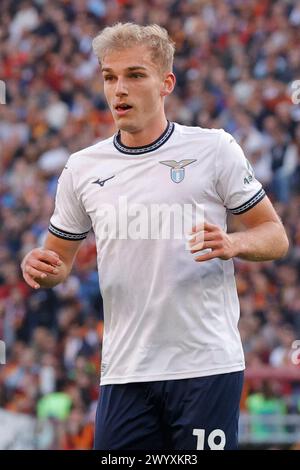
<point x="165" y="315"/>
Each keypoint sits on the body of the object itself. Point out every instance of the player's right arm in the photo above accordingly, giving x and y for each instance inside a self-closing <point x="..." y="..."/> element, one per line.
<point x="69" y="225"/>
<point x="51" y="264"/>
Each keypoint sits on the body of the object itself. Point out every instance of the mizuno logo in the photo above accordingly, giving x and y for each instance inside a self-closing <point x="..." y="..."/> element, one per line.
<point x="177" y="168"/>
<point x="101" y="182"/>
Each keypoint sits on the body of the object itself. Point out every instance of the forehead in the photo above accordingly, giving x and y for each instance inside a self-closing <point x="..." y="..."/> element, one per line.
<point x="122" y="59"/>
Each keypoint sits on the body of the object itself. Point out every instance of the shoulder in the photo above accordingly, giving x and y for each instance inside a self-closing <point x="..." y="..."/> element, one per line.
<point x="78" y="160"/>
<point x="213" y="136"/>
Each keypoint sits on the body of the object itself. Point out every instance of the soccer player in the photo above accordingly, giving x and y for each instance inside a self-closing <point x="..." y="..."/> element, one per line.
<point x="172" y="359"/>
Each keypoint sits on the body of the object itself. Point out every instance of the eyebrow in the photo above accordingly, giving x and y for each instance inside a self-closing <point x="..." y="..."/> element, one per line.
<point x="130" y="69"/>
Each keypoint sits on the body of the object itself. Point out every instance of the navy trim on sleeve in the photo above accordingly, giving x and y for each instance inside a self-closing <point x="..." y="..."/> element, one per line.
<point x="249" y="204"/>
<point x="66" y="235"/>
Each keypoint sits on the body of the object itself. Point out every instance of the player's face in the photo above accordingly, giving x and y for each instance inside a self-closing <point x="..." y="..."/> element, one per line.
<point x="135" y="88"/>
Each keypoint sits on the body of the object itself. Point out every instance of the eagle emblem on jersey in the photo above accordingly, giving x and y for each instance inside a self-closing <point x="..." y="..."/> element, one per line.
<point x="177" y="168"/>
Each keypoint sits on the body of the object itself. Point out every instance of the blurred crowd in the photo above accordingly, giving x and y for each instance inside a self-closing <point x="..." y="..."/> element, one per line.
<point x="235" y="63"/>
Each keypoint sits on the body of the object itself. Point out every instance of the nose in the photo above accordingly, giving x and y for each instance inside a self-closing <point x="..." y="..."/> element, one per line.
<point x="121" y="88"/>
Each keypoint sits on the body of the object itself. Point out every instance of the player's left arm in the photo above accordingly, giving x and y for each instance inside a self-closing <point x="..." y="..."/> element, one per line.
<point x="263" y="239"/>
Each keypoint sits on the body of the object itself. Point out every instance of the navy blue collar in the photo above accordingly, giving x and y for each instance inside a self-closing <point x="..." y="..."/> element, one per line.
<point x="147" y="148"/>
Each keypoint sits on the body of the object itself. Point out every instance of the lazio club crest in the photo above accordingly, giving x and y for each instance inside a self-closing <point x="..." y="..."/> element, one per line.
<point x="177" y="168"/>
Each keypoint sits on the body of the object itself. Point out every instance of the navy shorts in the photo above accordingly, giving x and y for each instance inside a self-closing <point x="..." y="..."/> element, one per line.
<point x="187" y="414"/>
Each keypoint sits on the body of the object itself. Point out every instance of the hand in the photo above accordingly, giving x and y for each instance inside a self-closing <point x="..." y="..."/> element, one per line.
<point x="209" y="236"/>
<point x="38" y="264"/>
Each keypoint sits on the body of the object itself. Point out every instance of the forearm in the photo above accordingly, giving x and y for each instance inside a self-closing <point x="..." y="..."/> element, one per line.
<point x="266" y="242"/>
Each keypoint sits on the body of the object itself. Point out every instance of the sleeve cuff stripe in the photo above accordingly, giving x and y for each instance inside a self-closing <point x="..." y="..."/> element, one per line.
<point x="249" y="204"/>
<point x="66" y="235"/>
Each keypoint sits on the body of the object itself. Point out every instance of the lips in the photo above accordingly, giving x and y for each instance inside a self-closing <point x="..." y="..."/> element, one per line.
<point x="122" y="108"/>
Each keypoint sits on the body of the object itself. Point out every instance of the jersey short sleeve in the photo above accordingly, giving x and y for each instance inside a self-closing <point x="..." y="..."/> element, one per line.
<point x="69" y="220"/>
<point x="235" y="180"/>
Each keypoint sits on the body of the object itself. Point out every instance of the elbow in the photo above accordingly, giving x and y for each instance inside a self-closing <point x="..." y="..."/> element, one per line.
<point x="283" y="245"/>
<point x="286" y="245"/>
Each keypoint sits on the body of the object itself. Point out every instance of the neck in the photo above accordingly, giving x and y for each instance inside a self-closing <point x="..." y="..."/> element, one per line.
<point x="143" y="136"/>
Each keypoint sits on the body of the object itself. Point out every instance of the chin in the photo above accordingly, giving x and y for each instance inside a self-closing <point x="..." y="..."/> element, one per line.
<point x="127" y="127"/>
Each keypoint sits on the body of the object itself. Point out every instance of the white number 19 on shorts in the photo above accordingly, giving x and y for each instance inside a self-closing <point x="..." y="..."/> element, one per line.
<point x="216" y="433"/>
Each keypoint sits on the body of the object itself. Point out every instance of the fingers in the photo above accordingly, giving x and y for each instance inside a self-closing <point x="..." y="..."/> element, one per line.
<point x="204" y="226"/>
<point x="205" y="245"/>
<point x="201" y="237"/>
<point x="48" y="256"/>
<point x="32" y="272"/>
<point x="46" y="268"/>
<point x="211" y="255"/>
<point x="208" y="238"/>
<point x="38" y="264"/>
<point x="31" y="282"/>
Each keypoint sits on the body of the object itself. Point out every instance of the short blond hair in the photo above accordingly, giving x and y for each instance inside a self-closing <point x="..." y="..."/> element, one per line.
<point x="125" y="35"/>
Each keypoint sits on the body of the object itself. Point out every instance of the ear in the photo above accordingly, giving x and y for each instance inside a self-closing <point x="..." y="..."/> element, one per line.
<point x="168" y="84"/>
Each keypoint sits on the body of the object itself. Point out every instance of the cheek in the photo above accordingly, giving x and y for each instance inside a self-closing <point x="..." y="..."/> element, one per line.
<point x="151" y="98"/>
<point x="148" y="102"/>
<point x="108" y="94"/>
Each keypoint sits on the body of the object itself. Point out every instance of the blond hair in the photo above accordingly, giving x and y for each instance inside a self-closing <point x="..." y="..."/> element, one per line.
<point x="125" y="35"/>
